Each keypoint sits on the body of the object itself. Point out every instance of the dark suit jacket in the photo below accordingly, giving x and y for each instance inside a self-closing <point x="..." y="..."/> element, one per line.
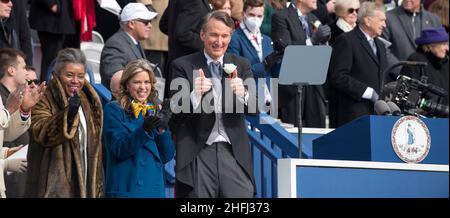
<point x="117" y="52"/>
<point x="181" y="22"/>
<point x="287" y="26"/>
<point x="193" y="129"/>
<point x="353" y="68"/>
<point x="41" y="18"/>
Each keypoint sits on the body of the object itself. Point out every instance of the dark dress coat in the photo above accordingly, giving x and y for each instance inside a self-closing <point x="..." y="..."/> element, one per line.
<point x="353" y="68"/>
<point x="193" y="129"/>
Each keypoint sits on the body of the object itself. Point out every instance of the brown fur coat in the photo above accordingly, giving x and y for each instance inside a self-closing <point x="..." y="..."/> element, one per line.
<point x="54" y="164"/>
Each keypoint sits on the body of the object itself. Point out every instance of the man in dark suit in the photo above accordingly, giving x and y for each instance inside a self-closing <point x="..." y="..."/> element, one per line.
<point x="213" y="150"/>
<point x="124" y="46"/>
<point x="357" y="63"/>
<point x="296" y="25"/>
<point x="180" y="23"/>
<point x="53" y="20"/>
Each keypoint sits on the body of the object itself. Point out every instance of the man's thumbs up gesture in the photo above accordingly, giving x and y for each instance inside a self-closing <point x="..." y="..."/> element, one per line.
<point x="202" y="84"/>
<point x="237" y="85"/>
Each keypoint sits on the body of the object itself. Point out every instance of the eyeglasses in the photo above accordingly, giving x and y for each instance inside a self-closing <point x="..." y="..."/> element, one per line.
<point x="5" y="1"/>
<point x="351" y="10"/>
<point x="35" y="81"/>
<point x="145" y="22"/>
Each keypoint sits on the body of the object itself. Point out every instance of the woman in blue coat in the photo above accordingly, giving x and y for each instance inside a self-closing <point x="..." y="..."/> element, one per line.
<point x="136" y="138"/>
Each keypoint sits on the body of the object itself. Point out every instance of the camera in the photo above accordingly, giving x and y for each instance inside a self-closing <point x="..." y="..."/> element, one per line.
<point x="412" y="96"/>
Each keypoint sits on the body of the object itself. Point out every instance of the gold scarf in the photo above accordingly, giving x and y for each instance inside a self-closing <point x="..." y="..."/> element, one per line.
<point x="138" y="107"/>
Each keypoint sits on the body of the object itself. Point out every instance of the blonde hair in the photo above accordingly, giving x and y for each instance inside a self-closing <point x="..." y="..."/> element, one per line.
<point x="341" y="6"/>
<point x="133" y="68"/>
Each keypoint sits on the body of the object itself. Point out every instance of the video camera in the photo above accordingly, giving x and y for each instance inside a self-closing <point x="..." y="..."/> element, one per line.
<point x="413" y="96"/>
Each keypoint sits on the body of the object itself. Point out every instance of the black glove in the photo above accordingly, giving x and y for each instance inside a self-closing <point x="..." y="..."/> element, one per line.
<point x="74" y="104"/>
<point x="273" y="58"/>
<point x="151" y="122"/>
<point x="322" y="35"/>
<point x="164" y="114"/>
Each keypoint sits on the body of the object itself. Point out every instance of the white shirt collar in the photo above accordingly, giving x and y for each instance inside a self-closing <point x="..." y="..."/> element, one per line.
<point x="132" y="38"/>
<point x="209" y="59"/>
<point x="366" y="35"/>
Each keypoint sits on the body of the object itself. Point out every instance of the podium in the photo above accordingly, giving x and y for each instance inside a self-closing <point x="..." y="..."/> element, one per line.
<point x="369" y="139"/>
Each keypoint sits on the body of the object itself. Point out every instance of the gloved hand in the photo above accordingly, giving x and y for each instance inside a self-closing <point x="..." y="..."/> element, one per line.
<point x="151" y="122"/>
<point x="322" y="35"/>
<point x="15" y="165"/>
<point x="374" y="97"/>
<point x="271" y="59"/>
<point x="164" y="114"/>
<point x="74" y="104"/>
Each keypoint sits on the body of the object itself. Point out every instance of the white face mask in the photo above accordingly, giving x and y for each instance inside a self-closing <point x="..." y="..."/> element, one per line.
<point x="252" y="23"/>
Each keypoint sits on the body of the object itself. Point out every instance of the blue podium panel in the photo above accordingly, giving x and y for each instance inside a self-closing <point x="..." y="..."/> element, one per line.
<point x="317" y="182"/>
<point x="312" y="178"/>
<point x="369" y="139"/>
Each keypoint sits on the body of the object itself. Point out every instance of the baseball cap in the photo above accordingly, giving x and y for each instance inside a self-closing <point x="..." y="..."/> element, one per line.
<point x="134" y="11"/>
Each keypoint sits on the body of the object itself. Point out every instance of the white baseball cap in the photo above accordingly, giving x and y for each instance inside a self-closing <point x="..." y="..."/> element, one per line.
<point x="134" y="11"/>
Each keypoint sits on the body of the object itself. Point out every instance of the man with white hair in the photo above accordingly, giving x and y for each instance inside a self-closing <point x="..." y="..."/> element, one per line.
<point x="356" y="67"/>
<point x="124" y="46"/>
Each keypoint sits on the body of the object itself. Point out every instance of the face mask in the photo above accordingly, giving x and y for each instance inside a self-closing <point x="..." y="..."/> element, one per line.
<point x="252" y="23"/>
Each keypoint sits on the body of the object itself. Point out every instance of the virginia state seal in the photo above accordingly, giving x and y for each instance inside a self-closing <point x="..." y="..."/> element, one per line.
<point x="411" y="139"/>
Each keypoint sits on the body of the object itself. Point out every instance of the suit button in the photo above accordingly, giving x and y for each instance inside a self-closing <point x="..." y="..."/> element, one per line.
<point x="140" y="182"/>
<point x="158" y="164"/>
<point x="142" y="163"/>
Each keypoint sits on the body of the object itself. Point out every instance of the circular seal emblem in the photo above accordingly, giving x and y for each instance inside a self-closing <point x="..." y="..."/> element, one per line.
<point x="411" y="139"/>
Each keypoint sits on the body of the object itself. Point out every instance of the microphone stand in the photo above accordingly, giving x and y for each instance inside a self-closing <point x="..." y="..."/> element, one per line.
<point x="299" y="117"/>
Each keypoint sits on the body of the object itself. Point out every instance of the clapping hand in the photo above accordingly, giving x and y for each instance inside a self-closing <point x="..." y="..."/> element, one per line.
<point x="33" y="96"/>
<point x="164" y="114"/>
<point x="322" y="35"/>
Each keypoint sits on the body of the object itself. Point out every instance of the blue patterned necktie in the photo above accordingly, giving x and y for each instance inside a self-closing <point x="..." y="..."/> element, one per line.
<point x="215" y="69"/>
<point x="305" y="25"/>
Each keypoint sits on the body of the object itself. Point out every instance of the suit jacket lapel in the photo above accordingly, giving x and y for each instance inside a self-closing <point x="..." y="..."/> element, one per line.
<point x="405" y="21"/>
<point x="130" y="43"/>
<point x="366" y="45"/>
<point x="248" y="44"/>
<point x="298" y="30"/>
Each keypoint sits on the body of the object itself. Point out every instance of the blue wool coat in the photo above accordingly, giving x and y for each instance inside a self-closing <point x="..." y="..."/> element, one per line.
<point x="134" y="158"/>
<point x="240" y="45"/>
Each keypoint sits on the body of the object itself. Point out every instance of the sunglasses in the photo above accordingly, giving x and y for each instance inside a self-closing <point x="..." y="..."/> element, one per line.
<point x="35" y="81"/>
<point x="145" y="22"/>
<point x="5" y="1"/>
<point x="351" y="10"/>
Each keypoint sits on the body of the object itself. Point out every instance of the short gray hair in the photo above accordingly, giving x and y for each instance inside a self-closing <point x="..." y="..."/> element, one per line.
<point x="368" y="9"/>
<point x="218" y="15"/>
<point x="69" y="56"/>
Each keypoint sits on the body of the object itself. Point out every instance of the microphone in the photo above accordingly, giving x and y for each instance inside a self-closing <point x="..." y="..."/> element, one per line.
<point x="382" y="108"/>
<point x="394" y="108"/>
